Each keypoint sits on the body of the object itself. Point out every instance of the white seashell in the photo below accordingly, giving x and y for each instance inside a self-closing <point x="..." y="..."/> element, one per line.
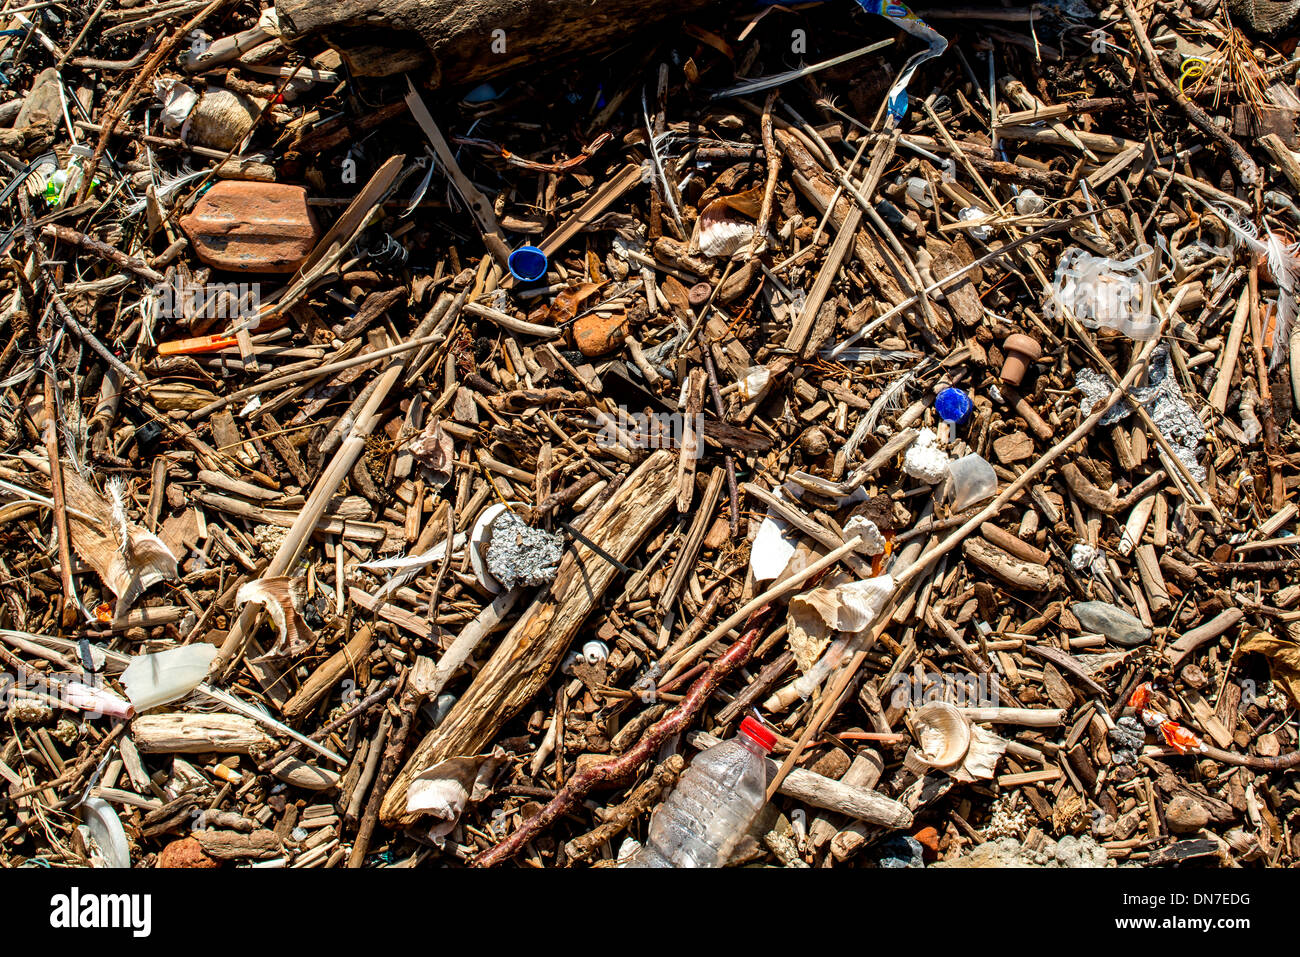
<point x="723" y="236"/>
<point x="478" y="544"/>
<point x="943" y="734"/>
<point x="754" y="383"/>
<point x="106" y="830"/>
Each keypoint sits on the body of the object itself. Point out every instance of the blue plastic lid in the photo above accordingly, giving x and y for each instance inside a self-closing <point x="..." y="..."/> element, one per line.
<point x="527" y="264"/>
<point x="953" y="405"/>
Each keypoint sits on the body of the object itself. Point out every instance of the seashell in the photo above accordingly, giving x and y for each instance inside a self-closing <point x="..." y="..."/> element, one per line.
<point x="727" y="224"/>
<point x="105" y="830"/>
<point x="943" y="734"/>
<point x="220" y="120"/>
<point x="478" y="544"/>
<point x="722" y="235"/>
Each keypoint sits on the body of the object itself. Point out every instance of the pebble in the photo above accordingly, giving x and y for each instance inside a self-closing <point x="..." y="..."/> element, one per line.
<point x="1185" y="814"/>
<point x="1115" y="623"/>
<point x="595" y="335"/>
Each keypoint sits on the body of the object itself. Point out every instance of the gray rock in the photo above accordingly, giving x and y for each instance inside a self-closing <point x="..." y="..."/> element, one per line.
<point x="1115" y="623"/>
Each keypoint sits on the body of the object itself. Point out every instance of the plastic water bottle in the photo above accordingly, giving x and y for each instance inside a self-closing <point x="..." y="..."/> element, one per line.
<point x="713" y="804"/>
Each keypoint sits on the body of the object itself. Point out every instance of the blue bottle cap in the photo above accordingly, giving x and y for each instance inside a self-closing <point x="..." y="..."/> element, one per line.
<point x="953" y="405"/>
<point x="527" y="264"/>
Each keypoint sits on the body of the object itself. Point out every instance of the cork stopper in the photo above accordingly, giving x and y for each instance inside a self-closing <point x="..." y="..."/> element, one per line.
<point x="1021" y="352"/>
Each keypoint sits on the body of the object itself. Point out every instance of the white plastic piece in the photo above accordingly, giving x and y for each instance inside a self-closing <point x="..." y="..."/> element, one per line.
<point x="772" y="549"/>
<point x="973" y="480"/>
<point x="973" y="214"/>
<point x="1028" y="202"/>
<point x="918" y="190"/>
<point x="166" y="676"/>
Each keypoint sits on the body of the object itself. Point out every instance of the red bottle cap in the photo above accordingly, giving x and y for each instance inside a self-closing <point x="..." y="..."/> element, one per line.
<point x="756" y="732"/>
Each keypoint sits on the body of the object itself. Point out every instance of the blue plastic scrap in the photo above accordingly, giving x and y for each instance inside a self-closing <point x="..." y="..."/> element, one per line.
<point x="953" y="405"/>
<point x="909" y="22"/>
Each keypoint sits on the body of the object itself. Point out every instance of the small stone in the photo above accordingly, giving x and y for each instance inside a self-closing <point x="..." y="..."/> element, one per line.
<point x="1013" y="447"/>
<point x="1185" y="814"/>
<point x="1115" y="623"/>
<point x="901" y="851"/>
<point x="595" y="335"/>
<point x="248" y="227"/>
<point x="814" y="442"/>
<point x="185" y="853"/>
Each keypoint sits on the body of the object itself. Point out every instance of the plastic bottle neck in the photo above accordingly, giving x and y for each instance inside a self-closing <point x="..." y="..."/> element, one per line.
<point x="753" y="745"/>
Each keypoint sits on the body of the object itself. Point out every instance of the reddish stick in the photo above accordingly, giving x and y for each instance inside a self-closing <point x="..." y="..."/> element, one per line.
<point x="617" y="770"/>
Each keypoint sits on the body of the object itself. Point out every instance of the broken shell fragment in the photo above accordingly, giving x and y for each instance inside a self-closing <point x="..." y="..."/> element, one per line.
<point x="943" y="734"/>
<point x="283" y="598"/>
<point x="109" y="847"/>
<point x="478" y="544"/>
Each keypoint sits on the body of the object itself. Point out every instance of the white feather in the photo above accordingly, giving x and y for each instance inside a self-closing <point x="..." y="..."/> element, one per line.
<point x="1283" y="265"/>
<point x="166" y="187"/>
<point x="117" y="503"/>
<point x="665" y="186"/>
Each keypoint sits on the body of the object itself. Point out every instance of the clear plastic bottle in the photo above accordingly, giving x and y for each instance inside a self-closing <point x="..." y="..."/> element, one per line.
<point x="713" y="804"/>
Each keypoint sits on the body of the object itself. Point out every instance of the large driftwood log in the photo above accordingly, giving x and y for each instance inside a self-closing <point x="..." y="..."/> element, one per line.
<point x="532" y="649"/>
<point x="468" y="40"/>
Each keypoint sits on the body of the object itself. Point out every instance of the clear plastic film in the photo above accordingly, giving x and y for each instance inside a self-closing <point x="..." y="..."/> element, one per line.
<point x="1105" y="293"/>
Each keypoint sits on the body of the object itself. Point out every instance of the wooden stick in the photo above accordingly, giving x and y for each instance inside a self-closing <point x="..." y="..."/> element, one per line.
<point x="532" y="649"/>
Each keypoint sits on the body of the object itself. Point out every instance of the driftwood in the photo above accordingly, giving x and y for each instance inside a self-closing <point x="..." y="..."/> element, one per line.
<point x="467" y="42"/>
<point x="198" y="733"/>
<point x="530" y="652"/>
